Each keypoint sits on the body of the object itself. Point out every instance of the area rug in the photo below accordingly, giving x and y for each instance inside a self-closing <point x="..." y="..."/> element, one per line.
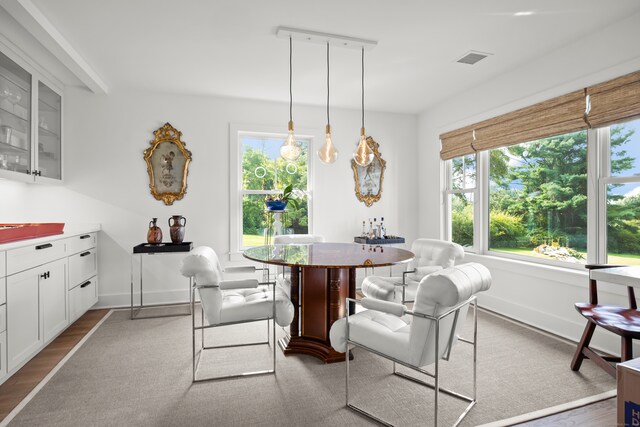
<point x="139" y="373"/>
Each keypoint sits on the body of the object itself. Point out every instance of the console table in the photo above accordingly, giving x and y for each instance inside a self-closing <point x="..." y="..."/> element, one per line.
<point x="158" y="249"/>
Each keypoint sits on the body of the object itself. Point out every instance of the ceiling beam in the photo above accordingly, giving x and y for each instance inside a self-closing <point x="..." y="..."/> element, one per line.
<point x="34" y="21"/>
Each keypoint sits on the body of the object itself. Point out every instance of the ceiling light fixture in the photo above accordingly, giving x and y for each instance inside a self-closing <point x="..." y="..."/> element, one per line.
<point x="524" y="13"/>
<point x="363" y="155"/>
<point x="328" y="153"/>
<point x="290" y="150"/>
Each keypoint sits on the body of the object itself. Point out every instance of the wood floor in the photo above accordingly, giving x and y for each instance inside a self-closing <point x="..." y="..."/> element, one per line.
<point x="29" y="376"/>
<point x="26" y="379"/>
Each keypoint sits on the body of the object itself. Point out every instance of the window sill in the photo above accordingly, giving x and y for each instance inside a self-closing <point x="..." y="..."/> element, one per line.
<point x="544" y="272"/>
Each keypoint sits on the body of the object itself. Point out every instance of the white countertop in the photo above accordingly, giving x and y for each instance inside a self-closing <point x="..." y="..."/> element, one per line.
<point x="70" y="230"/>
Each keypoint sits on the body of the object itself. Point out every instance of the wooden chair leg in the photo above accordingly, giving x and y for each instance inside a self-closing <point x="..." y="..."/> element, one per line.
<point x="578" y="357"/>
<point x="627" y="349"/>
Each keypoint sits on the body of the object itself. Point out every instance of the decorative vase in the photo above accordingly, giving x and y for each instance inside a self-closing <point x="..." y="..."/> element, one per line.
<point x="176" y="230"/>
<point x="154" y="235"/>
<point x="275" y="205"/>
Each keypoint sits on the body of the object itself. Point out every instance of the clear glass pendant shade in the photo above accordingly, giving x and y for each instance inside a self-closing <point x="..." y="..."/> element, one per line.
<point x="328" y="153"/>
<point x="290" y="150"/>
<point x="363" y="155"/>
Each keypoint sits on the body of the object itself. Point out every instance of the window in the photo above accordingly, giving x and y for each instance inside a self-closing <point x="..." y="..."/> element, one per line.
<point x="537" y="201"/>
<point x="558" y="182"/>
<point x="538" y="198"/>
<point x="263" y="172"/>
<point x="461" y="194"/>
<point x="621" y="187"/>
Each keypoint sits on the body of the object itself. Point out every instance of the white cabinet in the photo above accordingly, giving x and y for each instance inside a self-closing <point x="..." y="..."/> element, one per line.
<point x="53" y="299"/>
<point x="83" y="269"/>
<point x="30" y="123"/>
<point x="24" y="334"/>
<point x="3" y="316"/>
<point x="48" y="284"/>
<point x="36" y="308"/>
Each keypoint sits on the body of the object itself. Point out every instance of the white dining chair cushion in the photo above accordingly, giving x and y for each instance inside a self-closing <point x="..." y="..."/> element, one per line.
<point x="390" y="288"/>
<point x="381" y="287"/>
<point x="286" y="239"/>
<point x="411" y="339"/>
<point x="437" y="293"/>
<point x="430" y="252"/>
<point x="382" y="332"/>
<point x="245" y="304"/>
<point x="430" y="255"/>
<point x="203" y="264"/>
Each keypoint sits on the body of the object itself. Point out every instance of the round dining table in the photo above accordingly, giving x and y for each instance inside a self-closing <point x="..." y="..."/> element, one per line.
<point x="323" y="275"/>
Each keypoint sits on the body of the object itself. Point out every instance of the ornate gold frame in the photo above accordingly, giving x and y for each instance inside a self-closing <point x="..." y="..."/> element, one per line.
<point x="166" y="151"/>
<point x="377" y="166"/>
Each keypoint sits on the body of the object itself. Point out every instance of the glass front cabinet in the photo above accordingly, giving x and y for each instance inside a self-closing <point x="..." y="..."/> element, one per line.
<point x="30" y="125"/>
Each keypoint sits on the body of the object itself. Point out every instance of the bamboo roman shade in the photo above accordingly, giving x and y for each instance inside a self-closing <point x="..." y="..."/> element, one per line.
<point x="610" y="102"/>
<point x="614" y="101"/>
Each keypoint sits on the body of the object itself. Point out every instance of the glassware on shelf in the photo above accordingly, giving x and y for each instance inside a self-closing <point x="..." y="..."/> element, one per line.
<point x="14" y="98"/>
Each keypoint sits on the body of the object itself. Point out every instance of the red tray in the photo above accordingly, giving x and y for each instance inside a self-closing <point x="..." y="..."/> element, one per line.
<point x="13" y="232"/>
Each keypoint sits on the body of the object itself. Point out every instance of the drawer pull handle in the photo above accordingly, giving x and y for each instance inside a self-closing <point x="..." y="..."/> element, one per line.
<point x="45" y="246"/>
<point x="85" y="284"/>
<point x="85" y="236"/>
<point x="85" y="253"/>
<point x="46" y="275"/>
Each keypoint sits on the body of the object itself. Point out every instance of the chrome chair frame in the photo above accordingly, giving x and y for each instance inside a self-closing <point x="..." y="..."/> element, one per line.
<point x="436" y="386"/>
<point x="196" y="357"/>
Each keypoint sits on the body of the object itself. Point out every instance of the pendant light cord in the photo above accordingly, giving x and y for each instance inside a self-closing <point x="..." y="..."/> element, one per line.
<point x="290" y="79"/>
<point x="328" y="123"/>
<point x="363" y="87"/>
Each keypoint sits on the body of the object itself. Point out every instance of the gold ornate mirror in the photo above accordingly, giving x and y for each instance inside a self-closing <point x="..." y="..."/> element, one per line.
<point x="369" y="178"/>
<point x="167" y="164"/>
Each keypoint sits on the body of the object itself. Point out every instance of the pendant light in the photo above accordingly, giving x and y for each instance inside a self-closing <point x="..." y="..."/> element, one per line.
<point x="328" y="153"/>
<point x="363" y="155"/>
<point x="290" y="149"/>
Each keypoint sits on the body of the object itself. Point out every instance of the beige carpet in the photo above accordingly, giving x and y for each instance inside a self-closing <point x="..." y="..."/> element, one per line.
<point x="139" y="373"/>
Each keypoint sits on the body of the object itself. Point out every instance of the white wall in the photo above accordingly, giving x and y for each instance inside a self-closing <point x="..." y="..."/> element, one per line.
<point x="106" y="180"/>
<point x="540" y="296"/>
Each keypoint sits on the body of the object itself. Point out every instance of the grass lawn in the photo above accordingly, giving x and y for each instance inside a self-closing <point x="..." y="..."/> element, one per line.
<point x="626" y="259"/>
<point x="252" y="240"/>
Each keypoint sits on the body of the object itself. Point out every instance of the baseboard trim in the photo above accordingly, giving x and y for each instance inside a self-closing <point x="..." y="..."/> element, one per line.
<point x="552" y="410"/>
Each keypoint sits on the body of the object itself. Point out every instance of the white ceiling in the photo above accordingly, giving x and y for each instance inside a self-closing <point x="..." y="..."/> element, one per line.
<point x="229" y="48"/>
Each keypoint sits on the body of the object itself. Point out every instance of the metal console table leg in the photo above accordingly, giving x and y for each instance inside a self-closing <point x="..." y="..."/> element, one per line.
<point x="137" y="310"/>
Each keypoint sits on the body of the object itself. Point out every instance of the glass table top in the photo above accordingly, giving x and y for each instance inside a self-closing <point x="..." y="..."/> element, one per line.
<point x="329" y="255"/>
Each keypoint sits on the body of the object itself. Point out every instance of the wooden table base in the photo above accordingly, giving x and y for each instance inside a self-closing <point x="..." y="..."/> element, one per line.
<point x="321" y="299"/>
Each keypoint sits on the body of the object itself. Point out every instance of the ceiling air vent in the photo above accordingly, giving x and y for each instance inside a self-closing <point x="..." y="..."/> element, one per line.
<point x="472" y="57"/>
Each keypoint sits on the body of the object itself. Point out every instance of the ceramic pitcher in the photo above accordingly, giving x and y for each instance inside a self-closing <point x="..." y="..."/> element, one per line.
<point x="154" y="235"/>
<point x="176" y="228"/>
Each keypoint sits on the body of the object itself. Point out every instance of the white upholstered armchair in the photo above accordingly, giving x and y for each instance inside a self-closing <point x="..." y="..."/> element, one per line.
<point x="421" y="337"/>
<point x="284" y="278"/>
<point x="228" y="302"/>
<point x="431" y="255"/>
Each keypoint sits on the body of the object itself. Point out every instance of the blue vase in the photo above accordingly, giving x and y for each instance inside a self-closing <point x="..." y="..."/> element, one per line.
<point x="276" y="205"/>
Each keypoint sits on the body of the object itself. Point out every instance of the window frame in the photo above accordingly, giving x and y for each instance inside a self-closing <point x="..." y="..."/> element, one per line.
<point x="449" y="191"/>
<point x="598" y="178"/>
<point x="236" y="193"/>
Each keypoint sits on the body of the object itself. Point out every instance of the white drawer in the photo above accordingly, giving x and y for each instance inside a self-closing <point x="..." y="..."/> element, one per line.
<point x="82" y="298"/>
<point x="3" y="317"/>
<point x="81" y="243"/>
<point x="27" y="257"/>
<point x="82" y="266"/>
<point x="3" y="290"/>
<point x="3" y="264"/>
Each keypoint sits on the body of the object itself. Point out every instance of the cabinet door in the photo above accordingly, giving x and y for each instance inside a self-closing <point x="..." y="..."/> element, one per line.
<point x="49" y="150"/>
<point x="24" y="333"/>
<point x="15" y="120"/>
<point x="53" y="299"/>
